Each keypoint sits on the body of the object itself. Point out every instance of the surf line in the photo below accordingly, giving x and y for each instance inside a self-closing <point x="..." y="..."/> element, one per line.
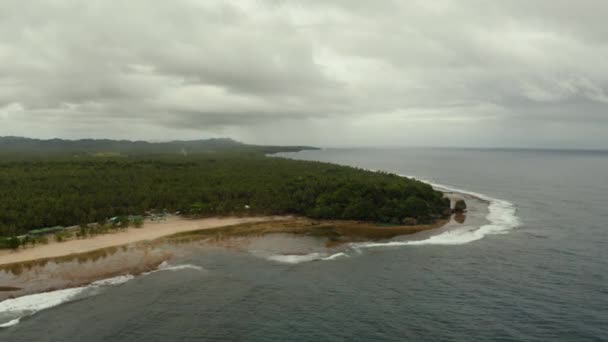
<point x="501" y="217"/>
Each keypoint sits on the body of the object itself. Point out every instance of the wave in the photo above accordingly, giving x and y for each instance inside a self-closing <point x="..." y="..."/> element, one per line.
<point x="113" y="281"/>
<point x="183" y="267"/>
<point x="335" y="256"/>
<point x="10" y="323"/>
<point x="299" y="258"/>
<point x="17" y="308"/>
<point x="295" y="258"/>
<point x="501" y="217"/>
<point x="164" y="266"/>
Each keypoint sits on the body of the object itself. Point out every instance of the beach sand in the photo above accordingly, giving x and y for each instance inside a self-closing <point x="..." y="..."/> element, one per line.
<point x="150" y="231"/>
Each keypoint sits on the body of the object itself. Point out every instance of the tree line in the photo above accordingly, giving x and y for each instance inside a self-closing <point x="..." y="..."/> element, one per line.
<point x="71" y="191"/>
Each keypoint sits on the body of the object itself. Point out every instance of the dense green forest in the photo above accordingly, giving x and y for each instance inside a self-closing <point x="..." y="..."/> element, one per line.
<point x="69" y="190"/>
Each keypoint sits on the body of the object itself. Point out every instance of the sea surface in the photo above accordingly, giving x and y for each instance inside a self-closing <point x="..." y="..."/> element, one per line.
<point x="529" y="265"/>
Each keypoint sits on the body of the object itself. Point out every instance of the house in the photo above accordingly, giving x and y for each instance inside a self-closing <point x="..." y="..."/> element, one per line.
<point x="45" y="231"/>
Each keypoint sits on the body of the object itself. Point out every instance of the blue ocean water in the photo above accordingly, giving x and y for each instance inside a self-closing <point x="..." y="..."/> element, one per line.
<point x="539" y="273"/>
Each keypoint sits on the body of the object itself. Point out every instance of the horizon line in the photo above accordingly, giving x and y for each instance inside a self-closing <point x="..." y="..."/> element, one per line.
<point x="522" y="148"/>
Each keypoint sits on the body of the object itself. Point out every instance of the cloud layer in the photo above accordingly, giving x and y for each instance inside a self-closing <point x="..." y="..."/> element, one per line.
<point x="474" y="73"/>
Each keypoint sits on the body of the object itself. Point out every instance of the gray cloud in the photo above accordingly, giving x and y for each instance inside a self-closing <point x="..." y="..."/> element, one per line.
<point x="335" y="72"/>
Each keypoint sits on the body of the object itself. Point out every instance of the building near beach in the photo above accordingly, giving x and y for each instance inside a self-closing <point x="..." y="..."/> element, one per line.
<point x="45" y="231"/>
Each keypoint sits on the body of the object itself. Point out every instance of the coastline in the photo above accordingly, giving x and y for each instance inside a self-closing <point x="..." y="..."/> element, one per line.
<point x="213" y="229"/>
<point x="150" y="231"/>
<point x="134" y="251"/>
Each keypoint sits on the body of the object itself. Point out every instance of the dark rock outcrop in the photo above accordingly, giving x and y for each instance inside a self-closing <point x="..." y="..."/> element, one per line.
<point x="460" y="206"/>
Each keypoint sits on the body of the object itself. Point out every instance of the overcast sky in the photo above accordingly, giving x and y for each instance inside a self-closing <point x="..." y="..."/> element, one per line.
<point x="319" y="72"/>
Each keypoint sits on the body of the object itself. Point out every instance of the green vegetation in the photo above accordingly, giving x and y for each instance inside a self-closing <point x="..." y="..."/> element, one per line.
<point x="17" y="148"/>
<point x="68" y="190"/>
<point x="138" y="221"/>
<point x="10" y="243"/>
<point x="62" y="236"/>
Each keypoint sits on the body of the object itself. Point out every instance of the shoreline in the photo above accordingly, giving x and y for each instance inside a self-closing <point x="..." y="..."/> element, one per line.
<point x="152" y="230"/>
<point x="136" y="251"/>
<point x="79" y="262"/>
<point x="176" y="229"/>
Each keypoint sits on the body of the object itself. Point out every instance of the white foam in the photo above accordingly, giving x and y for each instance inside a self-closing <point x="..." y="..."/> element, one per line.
<point x="501" y="217"/>
<point x="335" y="256"/>
<point x="39" y="301"/>
<point x="182" y="267"/>
<point x="299" y="258"/>
<point x="28" y="305"/>
<point x="295" y="258"/>
<point x="20" y="307"/>
<point x="452" y="237"/>
<point x="10" y="323"/>
<point x="164" y="266"/>
<point x="113" y="281"/>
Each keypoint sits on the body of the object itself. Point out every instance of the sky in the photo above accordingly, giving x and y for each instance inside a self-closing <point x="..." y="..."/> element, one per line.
<point x="474" y="73"/>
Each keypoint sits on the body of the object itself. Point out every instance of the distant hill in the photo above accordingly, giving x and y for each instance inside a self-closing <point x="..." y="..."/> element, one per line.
<point x="27" y="146"/>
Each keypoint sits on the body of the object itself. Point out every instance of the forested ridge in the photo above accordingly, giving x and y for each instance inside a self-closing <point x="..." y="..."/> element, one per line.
<point x="27" y="149"/>
<point x="69" y="191"/>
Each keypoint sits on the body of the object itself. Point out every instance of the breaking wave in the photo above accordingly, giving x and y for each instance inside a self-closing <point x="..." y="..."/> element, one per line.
<point x="164" y="266"/>
<point x="113" y="281"/>
<point x="13" y="310"/>
<point x="299" y="258"/>
<point x="295" y="258"/>
<point x="501" y="217"/>
<point x="335" y="256"/>
<point x="183" y="267"/>
<point x="10" y="323"/>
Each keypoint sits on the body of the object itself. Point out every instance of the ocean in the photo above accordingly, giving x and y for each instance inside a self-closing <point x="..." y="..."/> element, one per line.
<point x="530" y="264"/>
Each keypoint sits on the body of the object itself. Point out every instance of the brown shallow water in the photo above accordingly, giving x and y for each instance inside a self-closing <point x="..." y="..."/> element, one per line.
<point x="76" y="270"/>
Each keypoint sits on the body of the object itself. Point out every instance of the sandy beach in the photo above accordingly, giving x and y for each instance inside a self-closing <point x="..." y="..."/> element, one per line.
<point x="150" y="231"/>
